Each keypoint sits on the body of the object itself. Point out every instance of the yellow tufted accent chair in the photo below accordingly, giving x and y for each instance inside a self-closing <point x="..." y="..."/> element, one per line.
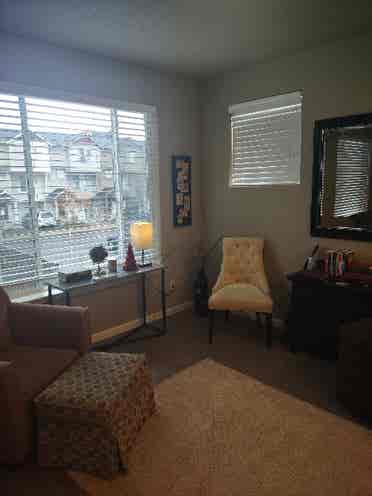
<point x="242" y="283"/>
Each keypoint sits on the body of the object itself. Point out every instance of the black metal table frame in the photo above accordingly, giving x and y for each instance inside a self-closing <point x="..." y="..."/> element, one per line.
<point x="128" y="336"/>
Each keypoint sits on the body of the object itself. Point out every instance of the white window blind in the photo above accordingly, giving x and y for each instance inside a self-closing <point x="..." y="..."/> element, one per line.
<point x="73" y="176"/>
<point x="266" y="141"/>
<point x="352" y="177"/>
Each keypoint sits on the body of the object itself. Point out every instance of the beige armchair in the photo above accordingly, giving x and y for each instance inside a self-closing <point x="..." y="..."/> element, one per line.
<point x="37" y="343"/>
<point x="242" y="283"/>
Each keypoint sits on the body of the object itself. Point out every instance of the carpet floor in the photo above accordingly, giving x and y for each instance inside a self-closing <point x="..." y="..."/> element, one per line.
<point x="220" y="433"/>
<point x="238" y="345"/>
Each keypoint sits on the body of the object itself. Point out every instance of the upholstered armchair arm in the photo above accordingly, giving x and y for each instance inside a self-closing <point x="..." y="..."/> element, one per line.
<point x="220" y="281"/>
<point x="12" y="404"/>
<point x="261" y="281"/>
<point x="50" y="326"/>
<point x="9" y="389"/>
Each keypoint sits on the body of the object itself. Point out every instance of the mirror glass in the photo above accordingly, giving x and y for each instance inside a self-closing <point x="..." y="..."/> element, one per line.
<point x="342" y="189"/>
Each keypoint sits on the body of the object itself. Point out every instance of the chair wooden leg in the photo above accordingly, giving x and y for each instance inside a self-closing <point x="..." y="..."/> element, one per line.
<point x="258" y="317"/>
<point x="211" y="322"/>
<point x="227" y="315"/>
<point x="269" y="326"/>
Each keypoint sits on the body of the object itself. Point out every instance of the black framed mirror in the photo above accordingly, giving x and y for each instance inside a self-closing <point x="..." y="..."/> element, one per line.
<point x="342" y="178"/>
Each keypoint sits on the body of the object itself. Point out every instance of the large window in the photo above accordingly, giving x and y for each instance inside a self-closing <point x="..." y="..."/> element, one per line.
<point x="266" y="141"/>
<point x="73" y="176"/>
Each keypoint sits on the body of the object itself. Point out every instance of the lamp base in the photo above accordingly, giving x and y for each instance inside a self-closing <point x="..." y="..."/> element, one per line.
<point x="143" y="264"/>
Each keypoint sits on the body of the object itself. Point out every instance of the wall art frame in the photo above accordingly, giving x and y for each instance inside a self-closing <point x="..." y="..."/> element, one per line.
<point x="181" y="181"/>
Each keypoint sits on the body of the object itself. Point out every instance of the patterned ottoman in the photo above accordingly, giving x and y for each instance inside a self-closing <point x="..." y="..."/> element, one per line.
<point x="88" y="419"/>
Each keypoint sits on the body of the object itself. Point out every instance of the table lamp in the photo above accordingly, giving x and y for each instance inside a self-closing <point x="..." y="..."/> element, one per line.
<point x="141" y="234"/>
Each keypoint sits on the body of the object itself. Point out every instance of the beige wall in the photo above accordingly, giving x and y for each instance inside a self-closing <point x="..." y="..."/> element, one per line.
<point x="336" y="80"/>
<point x="38" y="65"/>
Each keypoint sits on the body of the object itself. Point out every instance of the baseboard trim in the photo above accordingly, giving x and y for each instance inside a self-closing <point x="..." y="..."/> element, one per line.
<point x="126" y="327"/>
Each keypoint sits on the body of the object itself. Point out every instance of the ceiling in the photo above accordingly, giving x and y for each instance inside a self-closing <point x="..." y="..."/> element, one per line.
<point x="195" y="37"/>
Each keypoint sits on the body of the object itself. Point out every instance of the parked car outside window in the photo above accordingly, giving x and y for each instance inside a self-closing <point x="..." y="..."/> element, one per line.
<point x="44" y="219"/>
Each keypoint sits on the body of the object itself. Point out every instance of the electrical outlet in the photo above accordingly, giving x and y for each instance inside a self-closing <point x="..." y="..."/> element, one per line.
<point x="172" y="285"/>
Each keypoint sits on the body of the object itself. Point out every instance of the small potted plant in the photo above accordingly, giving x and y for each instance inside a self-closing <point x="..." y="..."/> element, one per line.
<point x="98" y="255"/>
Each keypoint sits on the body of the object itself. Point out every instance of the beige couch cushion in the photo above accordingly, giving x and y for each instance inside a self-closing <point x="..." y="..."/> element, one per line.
<point x="241" y="297"/>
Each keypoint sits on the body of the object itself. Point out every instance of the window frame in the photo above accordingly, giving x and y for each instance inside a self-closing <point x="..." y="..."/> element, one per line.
<point x="320" y="128"/>
<point x="150" y="112"/>
<point x="258" y="101"/>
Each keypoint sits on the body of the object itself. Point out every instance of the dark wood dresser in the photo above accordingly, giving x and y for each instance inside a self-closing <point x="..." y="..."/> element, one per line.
<point x="319" y="306"/>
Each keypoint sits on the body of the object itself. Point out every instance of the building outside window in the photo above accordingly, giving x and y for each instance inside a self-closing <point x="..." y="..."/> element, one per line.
<point x="73" y="182"/>
<point x="71" y="188"/>
<point x="82" y="155"/>
<point x="19" y="183"/>
<point x="4" y="214"/>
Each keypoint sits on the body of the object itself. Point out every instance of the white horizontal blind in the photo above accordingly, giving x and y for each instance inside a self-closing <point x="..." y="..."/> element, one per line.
<point x="136" y="158"/>
<point x="266" y="141"/>
<point x="17" y="246"/>
<point x="352" y="177"/>
<point x="65" y="193"/>
<point x="153" y="180"/>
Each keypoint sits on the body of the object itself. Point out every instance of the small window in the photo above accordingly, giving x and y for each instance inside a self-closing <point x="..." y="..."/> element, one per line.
<point x="82" y="155"/>
<point x="132" y="157"/>
<point x="266" y="141"/>
<point x="19" y="184"/>
<point x="22" y="184"/>
<point x="74" y="182"/>
<point x="4" y="213"/>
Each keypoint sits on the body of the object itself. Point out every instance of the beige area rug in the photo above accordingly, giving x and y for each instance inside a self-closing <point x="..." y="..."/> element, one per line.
<point x="221" y="433"/>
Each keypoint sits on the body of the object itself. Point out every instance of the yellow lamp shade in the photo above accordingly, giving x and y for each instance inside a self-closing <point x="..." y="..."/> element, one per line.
<point x="141" y="234"/>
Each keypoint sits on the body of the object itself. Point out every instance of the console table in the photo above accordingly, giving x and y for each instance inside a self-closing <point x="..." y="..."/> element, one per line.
<point x="116" y="279"/>
<point x="318" y="306"/>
